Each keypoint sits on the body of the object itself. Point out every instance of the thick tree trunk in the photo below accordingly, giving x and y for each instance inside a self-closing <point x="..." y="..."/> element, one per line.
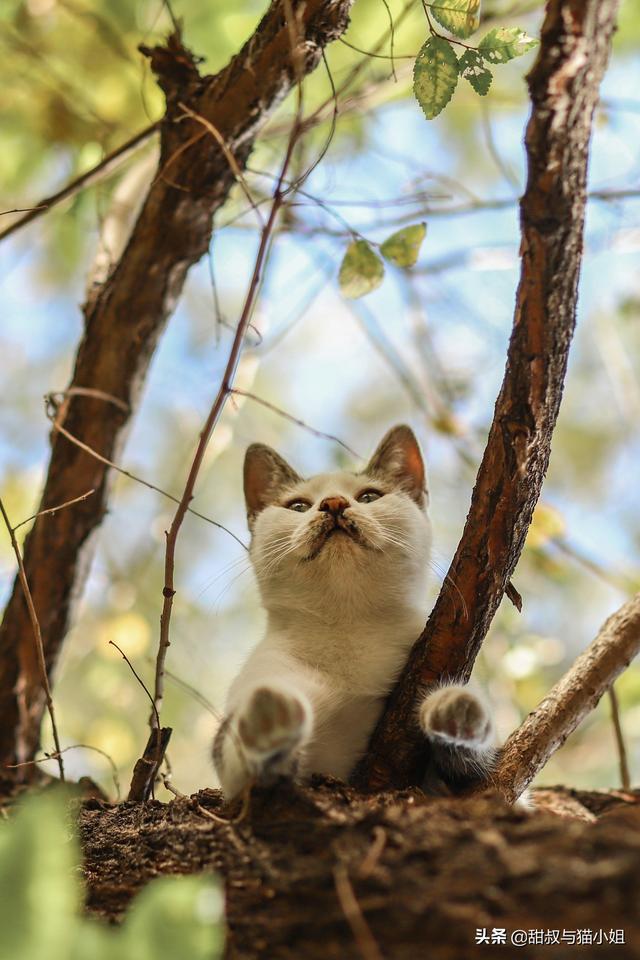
<point x="564" y="85"/>
<point x="125" y="316"/>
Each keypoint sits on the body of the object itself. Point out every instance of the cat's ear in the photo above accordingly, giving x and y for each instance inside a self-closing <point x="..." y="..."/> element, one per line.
<point x="398" y="459"/>
<point x="265" y="475"/>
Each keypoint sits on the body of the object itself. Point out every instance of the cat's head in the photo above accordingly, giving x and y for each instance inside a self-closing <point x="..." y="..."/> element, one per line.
<point x="366" y="533"/>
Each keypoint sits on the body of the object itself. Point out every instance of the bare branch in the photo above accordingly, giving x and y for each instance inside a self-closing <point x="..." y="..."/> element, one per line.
<point x="99" y="172"/>
<point x="75" y="746"/>
<point x="52" y="510"/>
<point x="37" y="635"/>
<point x="563" y="84"/>
<point x="125" y="473"/>
<point x="292" y="419"/>
<point x="625" y="777"/>
<point x="573" y="697"/>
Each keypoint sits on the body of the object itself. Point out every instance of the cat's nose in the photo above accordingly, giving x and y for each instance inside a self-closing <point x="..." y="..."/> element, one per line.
<point x="334" y="505"/>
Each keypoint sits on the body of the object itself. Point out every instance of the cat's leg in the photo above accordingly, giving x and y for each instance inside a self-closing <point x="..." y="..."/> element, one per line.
<point x="462" y="738"/>
<point x="270" y="719"/>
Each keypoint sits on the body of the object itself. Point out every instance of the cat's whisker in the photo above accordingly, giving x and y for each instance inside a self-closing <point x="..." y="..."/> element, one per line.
<point x="228" y="586"/>
<point x="221" y="573"/>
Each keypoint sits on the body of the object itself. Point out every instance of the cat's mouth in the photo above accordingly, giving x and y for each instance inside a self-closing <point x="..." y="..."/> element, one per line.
<point x="341" y="528"/>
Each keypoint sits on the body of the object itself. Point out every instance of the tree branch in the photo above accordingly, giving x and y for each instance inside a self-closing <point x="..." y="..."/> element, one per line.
<point x="573" y="697"/>
<point x="563" y="84"/>
<point x="125" y="316"/>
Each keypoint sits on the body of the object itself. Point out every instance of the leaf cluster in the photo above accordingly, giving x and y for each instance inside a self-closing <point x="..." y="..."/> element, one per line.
<point x="437" y="66"/>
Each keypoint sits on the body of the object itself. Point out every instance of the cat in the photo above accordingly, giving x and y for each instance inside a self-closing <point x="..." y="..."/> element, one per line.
<point x="342" y="562"/>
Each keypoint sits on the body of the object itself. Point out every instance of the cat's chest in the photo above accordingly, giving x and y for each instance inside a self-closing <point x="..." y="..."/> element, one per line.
<point x="363" y="660"/>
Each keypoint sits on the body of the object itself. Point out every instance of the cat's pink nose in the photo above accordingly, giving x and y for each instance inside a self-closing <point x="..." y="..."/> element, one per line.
<point x="334" y="505"/>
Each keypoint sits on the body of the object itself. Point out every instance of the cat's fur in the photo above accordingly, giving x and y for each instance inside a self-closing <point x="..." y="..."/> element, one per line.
<point x="344" y="585"/>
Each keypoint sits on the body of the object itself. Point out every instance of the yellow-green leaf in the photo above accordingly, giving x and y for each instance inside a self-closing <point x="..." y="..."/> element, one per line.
<point x="435" y="76"/>
<point x="473" y="69"/>
<point x="361" y="270"/>
<point x="504" y="43"/>
<point x="459" y="17"/>
<point x="403" y="247"/>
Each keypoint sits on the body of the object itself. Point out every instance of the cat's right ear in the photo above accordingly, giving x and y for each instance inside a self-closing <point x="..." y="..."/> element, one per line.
<point x="266" y="474"/>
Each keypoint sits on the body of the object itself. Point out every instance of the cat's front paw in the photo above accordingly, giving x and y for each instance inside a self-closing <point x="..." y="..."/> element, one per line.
<point x="272" y="727"/>
<point x="457" y="715"/>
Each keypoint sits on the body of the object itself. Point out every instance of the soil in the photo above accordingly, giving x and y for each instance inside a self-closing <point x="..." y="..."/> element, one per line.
<point x="323" y="872"/>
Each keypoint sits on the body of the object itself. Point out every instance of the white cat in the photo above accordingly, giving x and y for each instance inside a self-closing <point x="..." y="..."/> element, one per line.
<point x="342" y="563"/>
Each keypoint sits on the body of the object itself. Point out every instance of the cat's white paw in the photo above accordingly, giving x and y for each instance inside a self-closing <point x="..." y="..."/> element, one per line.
<point x="271" y="727"/>
<point x="457" y="715"/>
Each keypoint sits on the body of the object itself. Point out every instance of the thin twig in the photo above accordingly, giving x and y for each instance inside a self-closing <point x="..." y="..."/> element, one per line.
<point x="146" y="768"/>
<point x="138" y="678"/>
<point x="625" y="778"/>
<point x="166" y="783"/>
<point x="292" y="419"/>
<point x="52" y="417"/>
<point x="229" y="155"/>
<point x="369" y="949"/>
<point x="102" y="169"/>
<point x="61" y="506"/>
<point x="193" y="691"/>
<point x="60" y="395"/>
<point x="35" y="623"/>
<point x="75" y="746"/>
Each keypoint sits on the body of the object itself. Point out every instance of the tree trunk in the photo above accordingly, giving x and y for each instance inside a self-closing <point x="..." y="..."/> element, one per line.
<point x="564" y="85"/>
<point x="125" y="316"/>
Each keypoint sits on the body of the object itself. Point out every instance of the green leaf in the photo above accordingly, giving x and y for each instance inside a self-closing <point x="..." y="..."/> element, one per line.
<point x="459" y="17"/>
<point x="403" y="247"/>
<point x="505" y="43"/>
<point x="361" y="270"/>
<point x="41" y="903"/>
<point x="435" y="76"/>
<point x="175" y="917"/>
<point x="38" y="879"/>
<point x="473" y="69"/>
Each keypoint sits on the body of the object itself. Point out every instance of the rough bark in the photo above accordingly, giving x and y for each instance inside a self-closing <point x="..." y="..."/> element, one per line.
<point x="563" y="84"/>
<point x="425" y="874"/>
<point x="125" y="316"/>
<point x="577" y="693"/>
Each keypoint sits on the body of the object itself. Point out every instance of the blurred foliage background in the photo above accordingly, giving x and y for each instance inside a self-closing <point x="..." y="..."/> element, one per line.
<point x="427" y="347"/>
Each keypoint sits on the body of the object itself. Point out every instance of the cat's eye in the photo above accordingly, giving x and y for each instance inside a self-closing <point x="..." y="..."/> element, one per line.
<point x="368" y="496"/>
<point x="300" y="506"/>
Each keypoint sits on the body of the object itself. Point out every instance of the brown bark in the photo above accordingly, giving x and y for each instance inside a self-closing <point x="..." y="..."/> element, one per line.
<point x="563" y="84"/>
<point x="424" y="874"/>
<point x="126" y="315"/>
<point x="146" y="768"/>
<point x="568" y="703"/>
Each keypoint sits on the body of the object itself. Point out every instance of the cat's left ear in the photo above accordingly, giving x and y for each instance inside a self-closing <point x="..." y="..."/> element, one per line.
<point x="398" y="459"/>
<point x="266" y="474"/>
